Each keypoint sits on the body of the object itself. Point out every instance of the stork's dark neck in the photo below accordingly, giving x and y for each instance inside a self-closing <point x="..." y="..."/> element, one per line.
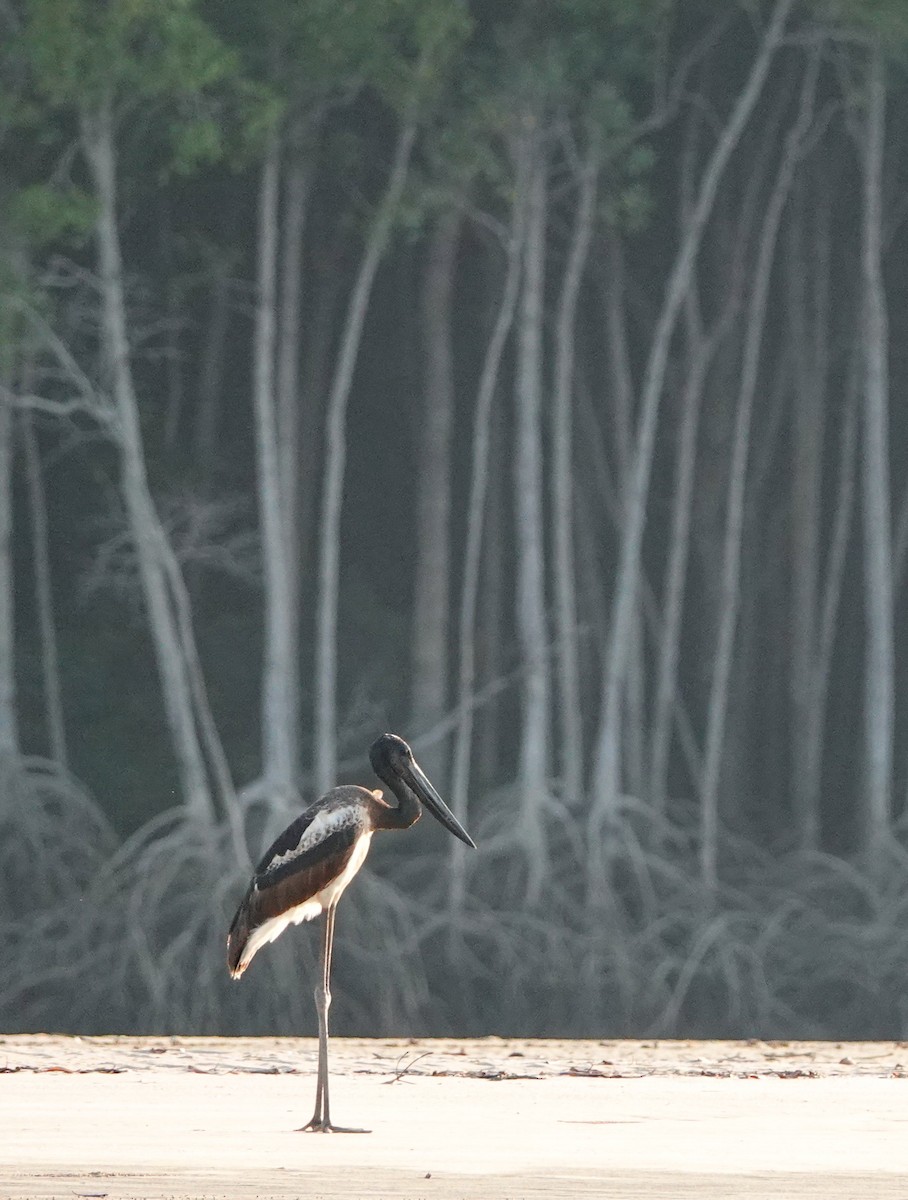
<point x="406" y="812"/>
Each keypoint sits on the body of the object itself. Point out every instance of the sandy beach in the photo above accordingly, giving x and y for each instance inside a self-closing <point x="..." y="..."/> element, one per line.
<point x="150" y="1118"/>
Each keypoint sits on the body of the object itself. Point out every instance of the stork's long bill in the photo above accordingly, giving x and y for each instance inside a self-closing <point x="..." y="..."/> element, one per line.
<point x="434" y="803"/>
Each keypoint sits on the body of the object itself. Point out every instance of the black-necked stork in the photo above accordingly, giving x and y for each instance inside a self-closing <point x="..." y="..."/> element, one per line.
<point x="305" y="871"/>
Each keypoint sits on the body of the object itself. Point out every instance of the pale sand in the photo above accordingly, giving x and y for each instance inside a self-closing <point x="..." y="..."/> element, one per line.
<point x="158" y="1117"/>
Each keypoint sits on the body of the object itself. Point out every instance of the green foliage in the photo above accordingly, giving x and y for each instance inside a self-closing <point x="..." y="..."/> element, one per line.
<point x="629" y="207"/>
<point x="143" y="56"/>
<point x="194" y="143"/>
<point x="83" y="52"/>
<point x="572" y="45"/>
<point x="313" y="50"/>
<point x="41" y="214"/>
<point x="425" y="36"/>
<point x="545" y="64"/>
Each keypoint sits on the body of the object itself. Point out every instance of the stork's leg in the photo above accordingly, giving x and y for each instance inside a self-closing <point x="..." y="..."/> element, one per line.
<point x="321" y="1119"/>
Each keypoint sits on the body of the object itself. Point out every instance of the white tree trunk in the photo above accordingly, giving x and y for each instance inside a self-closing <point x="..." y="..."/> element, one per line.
<point x="808" y="333"/>
<point x="44" y="598"/>
<point x="620" y="374"/>
<point x="879" y="668"/>
<point x="493" y="630"/>
<point x="829" y="608"/>
<point x="9" y="736"/>
<point x="730" y="592"/>
<point x="279" y="749"/>
<point x="98" y="142"/>
<point x="563" y="566"/>
<point x="294" y="405"/>
<point x="601" y="493"/>
<point x="325" y="682"/>
<point x="605" y="779"/>
<point x="431" y="601"/>
<point x="532" y="633"/>
<point x="476" y="506"/>
<point x="700" y="352"/>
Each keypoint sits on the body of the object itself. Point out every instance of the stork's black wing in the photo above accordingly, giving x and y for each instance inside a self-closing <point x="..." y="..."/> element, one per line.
<point x="311" y="852"/>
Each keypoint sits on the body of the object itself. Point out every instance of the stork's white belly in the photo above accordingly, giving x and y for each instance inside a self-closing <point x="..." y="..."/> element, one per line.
<point x="331" y="893"/>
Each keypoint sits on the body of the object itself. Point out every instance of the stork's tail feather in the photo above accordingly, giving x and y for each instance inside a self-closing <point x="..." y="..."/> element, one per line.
<point x="237" y="939"/>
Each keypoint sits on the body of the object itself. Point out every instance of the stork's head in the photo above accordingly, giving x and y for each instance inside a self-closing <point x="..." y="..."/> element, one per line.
<point x="390" y="752"/>
<point x="392" y="761"/>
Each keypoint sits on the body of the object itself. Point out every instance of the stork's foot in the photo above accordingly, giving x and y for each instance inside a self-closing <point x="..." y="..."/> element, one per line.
<point x="320" y="1125"/>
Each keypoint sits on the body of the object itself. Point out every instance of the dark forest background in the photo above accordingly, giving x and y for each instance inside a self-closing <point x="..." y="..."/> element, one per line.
<point x="523" y="378"/>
